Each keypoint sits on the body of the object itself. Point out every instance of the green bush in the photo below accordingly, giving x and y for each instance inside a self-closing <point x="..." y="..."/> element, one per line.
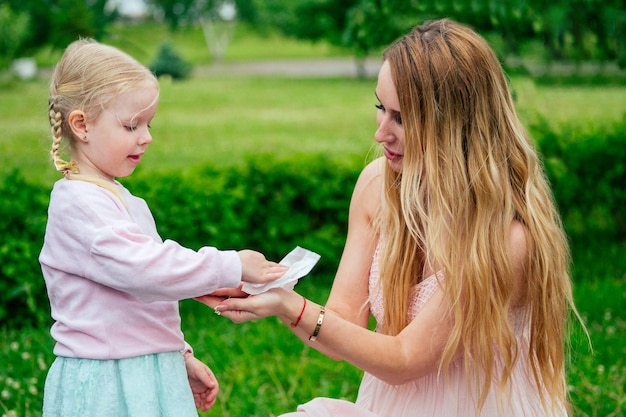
<point x="169" y="62"/>
<point x="23" y="210"/>
<point x="273" y="205"/>
<point x="587" y="169"/>
<point x="266" y="204"/>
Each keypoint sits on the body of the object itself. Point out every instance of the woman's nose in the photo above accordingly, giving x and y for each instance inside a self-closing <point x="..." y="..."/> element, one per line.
<point x="383" y="134"/>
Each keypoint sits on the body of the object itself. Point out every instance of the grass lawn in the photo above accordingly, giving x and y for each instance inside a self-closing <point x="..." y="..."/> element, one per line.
<point x="222" y="119"/>
<point x="264" y="371"/>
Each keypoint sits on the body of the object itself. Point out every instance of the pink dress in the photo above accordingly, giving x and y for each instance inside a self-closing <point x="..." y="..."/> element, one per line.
<point x="432" y="396"/>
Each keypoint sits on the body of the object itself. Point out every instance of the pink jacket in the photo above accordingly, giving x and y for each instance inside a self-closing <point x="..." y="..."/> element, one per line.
<point x="113" y="283"/>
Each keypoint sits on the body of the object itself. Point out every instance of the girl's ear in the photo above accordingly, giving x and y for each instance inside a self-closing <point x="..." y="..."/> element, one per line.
<point x="77" y="123"/>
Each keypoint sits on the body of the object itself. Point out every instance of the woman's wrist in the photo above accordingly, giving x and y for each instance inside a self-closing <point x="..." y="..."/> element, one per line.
<point x="297" y="321"/>
<point x="293" y="307"/>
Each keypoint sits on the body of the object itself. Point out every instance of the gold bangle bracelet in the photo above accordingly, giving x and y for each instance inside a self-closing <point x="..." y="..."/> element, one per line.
<point x="320" y="320"/>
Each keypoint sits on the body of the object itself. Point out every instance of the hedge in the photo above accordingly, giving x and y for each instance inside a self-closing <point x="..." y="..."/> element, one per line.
<point x="263" y="204"/>
<point x="273" y="205"/>
<point x="587" y="170"/>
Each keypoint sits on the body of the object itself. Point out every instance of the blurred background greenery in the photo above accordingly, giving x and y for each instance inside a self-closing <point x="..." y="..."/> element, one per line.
<point x="267" y="160"/>
<point x="578" y="31"/>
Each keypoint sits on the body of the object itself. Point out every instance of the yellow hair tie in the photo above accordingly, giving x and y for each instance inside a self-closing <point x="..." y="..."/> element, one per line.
<point x="68" y="168"/>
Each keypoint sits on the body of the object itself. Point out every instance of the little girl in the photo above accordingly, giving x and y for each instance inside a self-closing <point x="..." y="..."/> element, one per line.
<point x="113" y="283"/>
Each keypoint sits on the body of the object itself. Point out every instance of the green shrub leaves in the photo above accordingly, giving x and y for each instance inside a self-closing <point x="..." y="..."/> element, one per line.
<point x="272" y="205"/>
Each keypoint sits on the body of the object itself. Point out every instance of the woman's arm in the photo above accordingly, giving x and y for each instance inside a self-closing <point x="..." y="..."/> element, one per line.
<point x="416" y="351"/>
<point x="413" y="353"/>
<point x="349" y="295"/>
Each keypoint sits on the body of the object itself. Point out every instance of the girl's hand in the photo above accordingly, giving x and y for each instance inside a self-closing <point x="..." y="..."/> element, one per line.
<point x="203" y="383"/>
<point x="255" y="269"/>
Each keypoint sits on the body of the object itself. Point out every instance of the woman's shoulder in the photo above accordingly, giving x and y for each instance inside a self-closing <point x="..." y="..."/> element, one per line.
<point x="366" y="198"/>
<point x="374" y="168"/>
<point x="518" y="242"/>
<point x="518" y="252"/>
<point x="372" y="175"/>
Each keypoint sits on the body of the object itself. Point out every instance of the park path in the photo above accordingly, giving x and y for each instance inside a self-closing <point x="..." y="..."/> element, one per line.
<point x="324" y="67"/>
<point x="315" y="67"/>
<point x="347" y="67"/>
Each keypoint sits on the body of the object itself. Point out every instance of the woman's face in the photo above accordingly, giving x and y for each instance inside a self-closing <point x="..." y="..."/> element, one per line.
<point x="390" y="133"/>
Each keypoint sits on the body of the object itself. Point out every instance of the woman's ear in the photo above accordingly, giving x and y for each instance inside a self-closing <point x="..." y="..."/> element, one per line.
<point x="78" y="124"/>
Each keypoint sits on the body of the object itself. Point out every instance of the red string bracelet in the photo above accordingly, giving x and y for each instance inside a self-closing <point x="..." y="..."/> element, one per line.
<point x="294" y="324"/>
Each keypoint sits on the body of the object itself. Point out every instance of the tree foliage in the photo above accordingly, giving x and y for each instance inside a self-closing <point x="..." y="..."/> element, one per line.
<point x="590" y="30"/>
<point x="14" y="28"/>
<point x="569" y="29"/>
<point x="59" y="22"/>
<point x="577" y="30"/>
<point x="182" y="12"/>
<point x="175" y="12"/>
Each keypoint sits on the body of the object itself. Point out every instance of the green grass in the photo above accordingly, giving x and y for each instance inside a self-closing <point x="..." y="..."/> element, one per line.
<point x="587" y="107"/>
<point x="221" y="119"/>
<point x="217" y="120"/>
<point x="264" y="371"/>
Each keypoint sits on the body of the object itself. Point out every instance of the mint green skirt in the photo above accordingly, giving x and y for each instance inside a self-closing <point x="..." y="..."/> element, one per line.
<point x="144" y="386"/>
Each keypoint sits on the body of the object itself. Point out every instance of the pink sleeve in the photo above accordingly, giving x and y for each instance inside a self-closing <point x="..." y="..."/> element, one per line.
<point x="124" y="258"/>
<point x="91" y="234"/>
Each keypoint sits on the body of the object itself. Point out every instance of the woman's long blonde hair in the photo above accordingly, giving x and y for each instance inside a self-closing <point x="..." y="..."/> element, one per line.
<point x="469" y="170"/>
<point x="87" y="77"/>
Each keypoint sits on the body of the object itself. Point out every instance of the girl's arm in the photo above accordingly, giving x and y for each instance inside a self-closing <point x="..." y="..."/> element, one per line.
<point x="202" y="381"/>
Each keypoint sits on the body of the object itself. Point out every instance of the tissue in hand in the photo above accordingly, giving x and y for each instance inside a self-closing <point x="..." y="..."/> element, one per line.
<point x="300" y="262"/>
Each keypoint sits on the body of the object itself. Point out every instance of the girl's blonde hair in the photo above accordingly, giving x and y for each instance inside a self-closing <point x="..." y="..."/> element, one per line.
<point x="469" y="170"/>
<point x="87" y="77"/>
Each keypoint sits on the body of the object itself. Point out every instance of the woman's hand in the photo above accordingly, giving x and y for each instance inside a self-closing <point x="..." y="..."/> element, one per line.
<point x="216" y="297"/>
<point x="253" y="307"/>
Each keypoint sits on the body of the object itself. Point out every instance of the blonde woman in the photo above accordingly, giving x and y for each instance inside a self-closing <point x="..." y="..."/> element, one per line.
<point x="113" y="283"/>
<point x="454" y="246"/>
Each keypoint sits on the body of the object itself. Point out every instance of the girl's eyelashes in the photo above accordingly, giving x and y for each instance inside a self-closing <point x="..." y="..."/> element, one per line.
<point x="379" y="106"/>
<point x="132" y="128"/>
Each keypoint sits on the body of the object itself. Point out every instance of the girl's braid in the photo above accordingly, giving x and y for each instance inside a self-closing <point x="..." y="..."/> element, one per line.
<point x="56" y="127"/>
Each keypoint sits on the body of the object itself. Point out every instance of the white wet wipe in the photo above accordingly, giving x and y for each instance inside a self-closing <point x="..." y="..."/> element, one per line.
<point x="300" y="262"/>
